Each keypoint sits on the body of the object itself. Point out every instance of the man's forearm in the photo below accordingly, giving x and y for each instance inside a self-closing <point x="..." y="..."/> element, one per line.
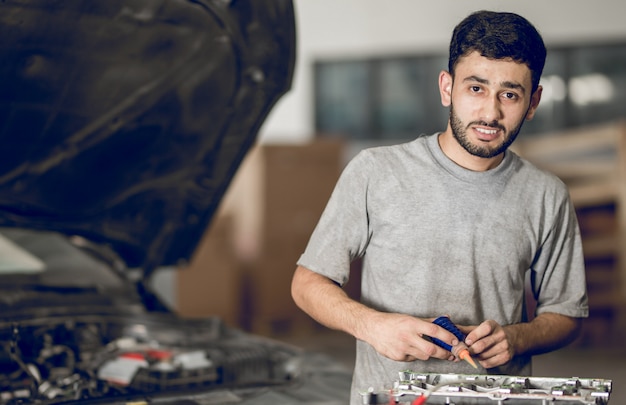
<point x="399" y="337"/>
<point x="546" y="332"/>
<point x="328" y="303"/>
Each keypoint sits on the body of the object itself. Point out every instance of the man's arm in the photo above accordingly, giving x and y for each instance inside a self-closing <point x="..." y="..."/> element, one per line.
<point x="495" y="345"/>
<point x="396" y="336"/>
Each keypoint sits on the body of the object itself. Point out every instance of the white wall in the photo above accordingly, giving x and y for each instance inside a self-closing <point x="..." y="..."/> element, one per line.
<point x="344" y="28"/>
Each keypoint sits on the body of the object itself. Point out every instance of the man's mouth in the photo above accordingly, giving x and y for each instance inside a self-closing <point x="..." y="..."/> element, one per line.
<point x="486" y="134"/>
<point x="487" y="131"/>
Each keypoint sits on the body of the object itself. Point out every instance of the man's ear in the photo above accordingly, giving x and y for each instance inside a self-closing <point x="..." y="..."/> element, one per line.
<point x="534" y="103"/>
<point x="445" y="88"/>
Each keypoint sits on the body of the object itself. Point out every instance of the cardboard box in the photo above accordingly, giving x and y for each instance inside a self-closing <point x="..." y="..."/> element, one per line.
<point x="243" y="268"/>
<point x="210" y="284"/>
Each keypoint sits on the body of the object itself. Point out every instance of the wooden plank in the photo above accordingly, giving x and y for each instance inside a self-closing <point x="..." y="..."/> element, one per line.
<point x="574" y="142"/>
<point x="601" y="246"/>
<point x="605" y="301"/>
<point x="621" y="209"/>
<point x="580" y="169"/>
<point x="600" y="278"/>
<point x="596" y="193"/>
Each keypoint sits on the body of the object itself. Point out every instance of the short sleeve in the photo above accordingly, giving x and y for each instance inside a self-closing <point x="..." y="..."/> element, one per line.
<point x="558" y="273"/>
<point x="342" y="233"/>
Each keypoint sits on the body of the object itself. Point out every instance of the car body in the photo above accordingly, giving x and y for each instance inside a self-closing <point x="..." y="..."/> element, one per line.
<point x="122" y="125"/>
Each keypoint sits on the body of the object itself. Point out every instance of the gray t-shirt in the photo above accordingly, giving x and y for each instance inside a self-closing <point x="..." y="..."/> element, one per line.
<point x="438" y="239"/>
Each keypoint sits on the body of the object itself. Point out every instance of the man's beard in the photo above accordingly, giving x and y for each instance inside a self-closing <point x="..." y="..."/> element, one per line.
<point x="460" y="134"/>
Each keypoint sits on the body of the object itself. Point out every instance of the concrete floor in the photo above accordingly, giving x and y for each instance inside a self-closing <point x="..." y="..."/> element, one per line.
<point x="569" y="362"/>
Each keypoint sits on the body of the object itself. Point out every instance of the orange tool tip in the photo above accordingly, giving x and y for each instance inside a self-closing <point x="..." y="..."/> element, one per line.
<point x="419" y="400"/>
<point x="464" y="355"/>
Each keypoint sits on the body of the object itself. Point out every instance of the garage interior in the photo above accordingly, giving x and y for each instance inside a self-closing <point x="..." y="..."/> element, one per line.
<point x="364" y="76"/>
<point x="242" y="270"/>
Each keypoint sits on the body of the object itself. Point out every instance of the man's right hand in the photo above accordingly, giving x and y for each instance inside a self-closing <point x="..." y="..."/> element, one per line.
<point x="400" y="337"/>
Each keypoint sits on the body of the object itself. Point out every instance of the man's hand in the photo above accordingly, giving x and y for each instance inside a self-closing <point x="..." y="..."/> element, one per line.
<point x="396" y="336"/>
<point x="401" y="337"/>
<point x="494" y="345"/>
<point x="489" y="343"/>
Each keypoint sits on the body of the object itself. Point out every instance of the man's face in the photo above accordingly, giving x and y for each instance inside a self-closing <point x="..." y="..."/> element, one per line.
<point x="489" y="101"/>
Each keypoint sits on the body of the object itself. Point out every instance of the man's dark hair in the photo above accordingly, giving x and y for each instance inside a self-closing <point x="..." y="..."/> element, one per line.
<point x="497" y="35"/>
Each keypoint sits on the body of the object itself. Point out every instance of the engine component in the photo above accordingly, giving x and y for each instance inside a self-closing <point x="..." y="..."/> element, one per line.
<point x="72" y="360"/>
<point x="460" y="389"/>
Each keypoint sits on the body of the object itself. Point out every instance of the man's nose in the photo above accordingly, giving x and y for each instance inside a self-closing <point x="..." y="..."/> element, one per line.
<point x="491" y="110"/>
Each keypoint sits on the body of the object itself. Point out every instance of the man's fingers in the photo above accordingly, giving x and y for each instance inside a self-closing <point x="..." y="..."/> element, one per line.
<point x="479" y="332"/>
<point x="406" y="338"/>
<point x="424" y="350"/>
<point x="493" y="358"/>
<point x="442" y="334"/>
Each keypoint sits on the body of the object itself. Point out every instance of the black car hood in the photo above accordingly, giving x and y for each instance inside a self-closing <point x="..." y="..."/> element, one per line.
<point x="124" y="122"/>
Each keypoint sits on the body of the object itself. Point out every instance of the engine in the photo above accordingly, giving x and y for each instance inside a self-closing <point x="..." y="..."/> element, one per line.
<point x="74" y="360"/>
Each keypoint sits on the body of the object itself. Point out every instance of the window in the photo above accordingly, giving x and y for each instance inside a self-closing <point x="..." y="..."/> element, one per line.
<point x="398" y="98"/>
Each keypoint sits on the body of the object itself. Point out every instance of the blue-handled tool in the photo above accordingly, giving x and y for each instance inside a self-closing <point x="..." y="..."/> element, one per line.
<point x="460" y="350"/>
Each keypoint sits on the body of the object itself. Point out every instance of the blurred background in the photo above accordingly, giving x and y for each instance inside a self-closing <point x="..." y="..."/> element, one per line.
<point x="366" y="75"/>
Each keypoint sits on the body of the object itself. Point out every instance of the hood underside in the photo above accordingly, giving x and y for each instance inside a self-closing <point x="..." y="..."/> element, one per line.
<point x="124" y="122"/>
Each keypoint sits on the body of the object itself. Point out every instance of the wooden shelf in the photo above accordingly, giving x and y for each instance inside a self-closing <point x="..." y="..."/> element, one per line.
<point x="600" y="246"/>
<point x="592" y="162"/>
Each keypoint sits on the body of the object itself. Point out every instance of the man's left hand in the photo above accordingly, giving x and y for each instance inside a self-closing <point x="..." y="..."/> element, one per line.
<point x="494" y="345"/>
<point x="489" y="343"/>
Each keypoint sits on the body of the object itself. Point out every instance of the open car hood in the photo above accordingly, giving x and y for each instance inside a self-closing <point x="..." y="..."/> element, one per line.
<point x="125" y="121"/>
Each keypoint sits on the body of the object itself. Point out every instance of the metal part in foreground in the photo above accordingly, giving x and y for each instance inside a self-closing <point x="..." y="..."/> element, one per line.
<point x="461" y="389"/>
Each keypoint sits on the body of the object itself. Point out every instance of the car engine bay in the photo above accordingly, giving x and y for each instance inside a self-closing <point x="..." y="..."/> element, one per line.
<point x="69" y="359"/>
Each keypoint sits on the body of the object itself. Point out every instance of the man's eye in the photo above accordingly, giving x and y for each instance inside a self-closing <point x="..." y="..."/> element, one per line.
<point x="510" y="96"/>
<point x="475" y="89"/>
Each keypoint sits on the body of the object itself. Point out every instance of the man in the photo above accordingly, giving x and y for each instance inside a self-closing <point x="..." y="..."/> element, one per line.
<point x="449" y="224"/>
